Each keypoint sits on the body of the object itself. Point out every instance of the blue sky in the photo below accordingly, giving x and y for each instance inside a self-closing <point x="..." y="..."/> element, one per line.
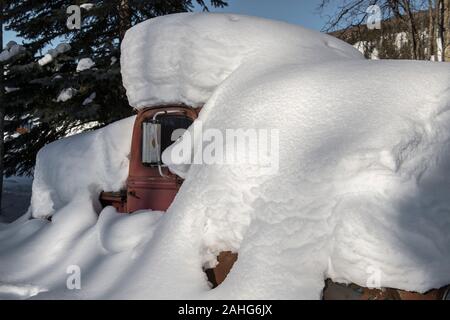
<point x="8" y="36"/>
<point x="302" y="12"/>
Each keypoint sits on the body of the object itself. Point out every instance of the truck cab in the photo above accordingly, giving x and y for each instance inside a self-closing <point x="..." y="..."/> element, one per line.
<point x="150" y="184"/>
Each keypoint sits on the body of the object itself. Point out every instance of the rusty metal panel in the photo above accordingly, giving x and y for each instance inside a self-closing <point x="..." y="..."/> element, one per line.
<point x="116" y="199"/>
<point x="339" y="291"/>
<point x="218" y="274"/>
<point x="146" y="188"/>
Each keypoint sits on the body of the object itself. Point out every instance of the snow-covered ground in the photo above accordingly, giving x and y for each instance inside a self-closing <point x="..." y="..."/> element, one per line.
<point x="16" y="197"/>
<point x="361" y="189"/>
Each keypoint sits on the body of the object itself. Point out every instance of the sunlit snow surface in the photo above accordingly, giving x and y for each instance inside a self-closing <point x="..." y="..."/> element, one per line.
<point x="182" y="58"/>
<point x="362" y="184"/>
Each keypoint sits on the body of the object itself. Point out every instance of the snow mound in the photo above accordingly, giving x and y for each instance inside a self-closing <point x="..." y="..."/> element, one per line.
<point x="92" y="161"/>
<point x="362" y="183"/>
<point x="360" y="193"/>
<point x="182" y="58"/>
<point x="119" y="233"/>
<point x="19" y="292"/>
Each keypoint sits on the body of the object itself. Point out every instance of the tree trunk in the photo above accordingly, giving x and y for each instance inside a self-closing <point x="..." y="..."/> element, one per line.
<point x="431" y="54"/>
<point x="446" y="30"/>
<point x="412" y="29"/>
<point x="438" y="28"/>
<point x="124" y="18"/>
<point x="2" y="109"/>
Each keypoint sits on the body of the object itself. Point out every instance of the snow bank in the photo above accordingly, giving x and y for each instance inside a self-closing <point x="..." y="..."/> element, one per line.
<point x="19" y="292"/>
<point x="16" y="197"/>
<point x="92" y="161"/>
<point x="361" y="191"/>
<point x="182" y="58"/>
<point x="362" y="183"/>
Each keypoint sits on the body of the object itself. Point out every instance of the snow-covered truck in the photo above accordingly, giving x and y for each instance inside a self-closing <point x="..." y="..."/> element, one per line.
<point x="151" y="185"/>
<point x="359" y="195"/>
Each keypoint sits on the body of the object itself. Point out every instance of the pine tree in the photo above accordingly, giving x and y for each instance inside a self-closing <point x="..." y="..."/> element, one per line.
<point x="2" y="107"/>
<point x="96" y="95"/>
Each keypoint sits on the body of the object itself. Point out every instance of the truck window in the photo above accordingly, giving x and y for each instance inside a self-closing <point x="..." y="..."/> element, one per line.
<point x="157" y="136"/>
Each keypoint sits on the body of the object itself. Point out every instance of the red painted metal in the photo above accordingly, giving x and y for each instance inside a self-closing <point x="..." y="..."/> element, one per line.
<point x="116" y="199"/>
<point x="218" y="274"/>
<point x="337" y="291"/>
<point x="146" y="188"/>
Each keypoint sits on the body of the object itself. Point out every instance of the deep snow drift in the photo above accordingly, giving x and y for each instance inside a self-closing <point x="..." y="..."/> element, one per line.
<point x="182" y="58"/>
<point x="86" y="163"/>
<point x="362" y="185"/>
